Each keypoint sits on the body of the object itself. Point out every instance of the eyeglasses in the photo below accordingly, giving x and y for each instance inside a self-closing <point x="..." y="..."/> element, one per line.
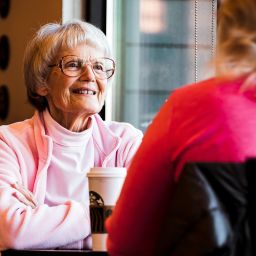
<point x="72" y="66"/>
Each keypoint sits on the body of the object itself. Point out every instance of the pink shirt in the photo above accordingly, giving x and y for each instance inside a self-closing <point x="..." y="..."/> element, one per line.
<point x="212" y="121"/>
<point x="26" y="156"/>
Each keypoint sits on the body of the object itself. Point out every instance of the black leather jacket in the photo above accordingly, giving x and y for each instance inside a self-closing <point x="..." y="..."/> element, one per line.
<point x="212" y="211"/>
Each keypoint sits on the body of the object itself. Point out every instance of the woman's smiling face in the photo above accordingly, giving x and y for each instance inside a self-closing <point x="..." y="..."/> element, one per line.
<point x="75" y="97"/>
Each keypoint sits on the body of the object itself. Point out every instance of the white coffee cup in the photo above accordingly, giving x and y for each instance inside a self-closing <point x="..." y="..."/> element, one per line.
<point x="105" y="184"/>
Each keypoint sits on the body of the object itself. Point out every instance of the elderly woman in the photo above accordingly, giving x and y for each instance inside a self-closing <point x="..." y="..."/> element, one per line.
<point x="44" y="160"/>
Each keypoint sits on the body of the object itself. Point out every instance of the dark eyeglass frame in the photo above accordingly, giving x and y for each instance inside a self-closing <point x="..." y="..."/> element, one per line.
<point x="84" y="63"/>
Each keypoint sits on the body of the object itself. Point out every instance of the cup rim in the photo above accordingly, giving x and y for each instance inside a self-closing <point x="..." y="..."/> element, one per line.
<point x="112" y="172"/>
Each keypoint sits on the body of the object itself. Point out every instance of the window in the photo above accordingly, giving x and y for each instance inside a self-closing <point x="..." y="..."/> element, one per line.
<point x="159" y="45"/>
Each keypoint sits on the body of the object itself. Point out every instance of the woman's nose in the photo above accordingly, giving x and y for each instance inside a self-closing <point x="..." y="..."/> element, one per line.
<point x="87" y="73"/>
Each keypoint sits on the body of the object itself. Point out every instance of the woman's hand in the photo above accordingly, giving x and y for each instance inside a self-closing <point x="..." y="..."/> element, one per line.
<point x="24" y="195"/>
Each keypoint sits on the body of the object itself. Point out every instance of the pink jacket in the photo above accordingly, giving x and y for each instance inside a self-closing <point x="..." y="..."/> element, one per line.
<point x="25" y="155"/>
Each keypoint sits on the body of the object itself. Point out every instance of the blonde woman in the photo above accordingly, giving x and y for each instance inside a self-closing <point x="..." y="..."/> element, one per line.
<point x="211" y="121"/>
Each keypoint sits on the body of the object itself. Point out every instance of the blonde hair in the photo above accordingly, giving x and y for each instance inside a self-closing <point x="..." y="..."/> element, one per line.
<point x="42" y="50"/>
<point x="236" y="38"/>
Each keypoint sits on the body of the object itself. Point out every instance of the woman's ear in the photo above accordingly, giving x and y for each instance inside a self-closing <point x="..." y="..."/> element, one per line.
<point x="42" y="90"/>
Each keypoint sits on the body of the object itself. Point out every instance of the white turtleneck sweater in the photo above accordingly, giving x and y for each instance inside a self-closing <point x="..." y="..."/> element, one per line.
<point x="70" y="162"/>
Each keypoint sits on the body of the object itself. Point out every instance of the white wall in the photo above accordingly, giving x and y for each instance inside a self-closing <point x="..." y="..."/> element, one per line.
<point x="25" y="16"/>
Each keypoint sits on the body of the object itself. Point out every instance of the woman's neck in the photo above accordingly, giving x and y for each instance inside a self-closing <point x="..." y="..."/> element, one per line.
<point x="74" y="123"/>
